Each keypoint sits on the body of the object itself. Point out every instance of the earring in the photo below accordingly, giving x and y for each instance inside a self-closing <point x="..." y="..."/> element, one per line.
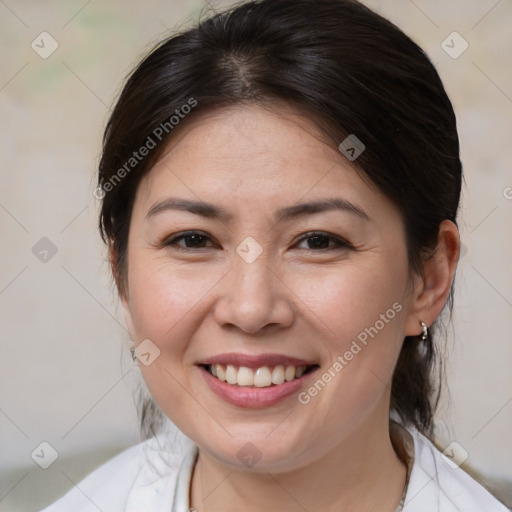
<point x="424" y="332"/>
<point x="132" y="351"/>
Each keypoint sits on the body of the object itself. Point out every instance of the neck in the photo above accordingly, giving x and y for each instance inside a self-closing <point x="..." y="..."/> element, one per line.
<point x="362" y="473"/>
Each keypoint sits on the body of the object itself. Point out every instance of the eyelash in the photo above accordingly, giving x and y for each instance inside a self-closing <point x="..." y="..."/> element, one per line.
<point x="340" y="243"/>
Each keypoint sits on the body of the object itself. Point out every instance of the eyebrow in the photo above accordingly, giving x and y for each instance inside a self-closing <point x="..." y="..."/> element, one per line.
<point x="212" y="211"/>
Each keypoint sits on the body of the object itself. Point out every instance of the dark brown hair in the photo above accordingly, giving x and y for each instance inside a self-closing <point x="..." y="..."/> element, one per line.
<point x="343" y="66"/>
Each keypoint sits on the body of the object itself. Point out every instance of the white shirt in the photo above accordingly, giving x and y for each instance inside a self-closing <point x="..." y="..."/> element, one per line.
<point x="154" y="476"/>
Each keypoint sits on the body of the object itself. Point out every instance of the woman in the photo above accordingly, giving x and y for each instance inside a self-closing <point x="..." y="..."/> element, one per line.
<point x="279" y="189"/>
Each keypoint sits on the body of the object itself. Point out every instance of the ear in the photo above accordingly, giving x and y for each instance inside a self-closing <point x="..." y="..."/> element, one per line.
<point x="122" y="291"/>
<point x="431" y="289"/>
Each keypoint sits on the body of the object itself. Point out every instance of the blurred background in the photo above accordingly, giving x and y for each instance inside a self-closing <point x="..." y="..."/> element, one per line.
<point x="66" y="372"/>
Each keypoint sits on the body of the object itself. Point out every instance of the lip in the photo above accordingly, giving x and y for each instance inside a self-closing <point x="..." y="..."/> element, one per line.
<point x="251" y="397"/>
<point x="256" y="361"/>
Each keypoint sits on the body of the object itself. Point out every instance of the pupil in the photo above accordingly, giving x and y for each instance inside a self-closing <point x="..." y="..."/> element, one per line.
<point x="318" y="244"/>
<point x="197" y="239"/>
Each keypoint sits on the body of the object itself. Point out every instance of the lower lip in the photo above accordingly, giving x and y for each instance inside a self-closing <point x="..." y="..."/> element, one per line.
<point x="245" y="396"/>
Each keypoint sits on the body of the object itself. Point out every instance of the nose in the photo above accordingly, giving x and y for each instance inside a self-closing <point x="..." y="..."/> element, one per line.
<point x="254" y="298"/>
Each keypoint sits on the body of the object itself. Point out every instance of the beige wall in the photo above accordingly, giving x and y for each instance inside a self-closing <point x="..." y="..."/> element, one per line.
<point x="66" y="377"/>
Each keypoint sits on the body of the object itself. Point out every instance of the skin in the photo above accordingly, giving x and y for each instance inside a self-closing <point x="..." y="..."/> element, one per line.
<point x="198" y="301"/>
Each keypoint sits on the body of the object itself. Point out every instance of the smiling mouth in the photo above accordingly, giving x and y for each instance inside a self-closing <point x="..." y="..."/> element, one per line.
<point x="262" y="377"/>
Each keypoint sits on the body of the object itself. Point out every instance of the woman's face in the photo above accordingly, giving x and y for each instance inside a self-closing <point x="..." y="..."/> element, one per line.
<point x="241" y="272"/>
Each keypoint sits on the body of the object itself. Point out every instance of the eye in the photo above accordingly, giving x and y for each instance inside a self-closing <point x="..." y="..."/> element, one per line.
<point x="320" y="241"/>
<point x="316" y="241"/>
<point x="191" y="239"/>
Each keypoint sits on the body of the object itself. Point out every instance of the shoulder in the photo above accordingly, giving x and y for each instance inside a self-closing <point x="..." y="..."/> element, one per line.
<point x="437" y="483"/>
<point x="142" y="475"/>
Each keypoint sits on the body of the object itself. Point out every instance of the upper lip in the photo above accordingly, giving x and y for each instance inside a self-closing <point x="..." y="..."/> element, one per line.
<point x="255" y="361"/>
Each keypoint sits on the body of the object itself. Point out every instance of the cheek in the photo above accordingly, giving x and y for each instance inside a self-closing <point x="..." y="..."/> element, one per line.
<point x="352" y="301"/>
<point x="166" y="306"/>
<point x="164" y="298"/>
<point x="361" y="310"/>
<point x="168" y="303"/>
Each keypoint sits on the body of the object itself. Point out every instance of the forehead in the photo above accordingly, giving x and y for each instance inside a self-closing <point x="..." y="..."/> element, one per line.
<point x="259" y="155"/>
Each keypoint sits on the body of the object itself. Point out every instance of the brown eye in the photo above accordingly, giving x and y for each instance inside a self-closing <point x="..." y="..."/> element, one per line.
<point x="191" y="239"/>
<point x="324" y="242"/>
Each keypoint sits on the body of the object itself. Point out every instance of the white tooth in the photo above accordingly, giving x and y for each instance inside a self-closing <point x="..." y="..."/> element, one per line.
<point x="213" y="369"/>
<point x="289" y="374"/>
<point x="231" y="374"/>
<point x="299" y="371"/>
<point x="245" y="376"/>
<point x="262" y="378"/>
<point x="221" y="374"/>
<point x="278" y="374"/>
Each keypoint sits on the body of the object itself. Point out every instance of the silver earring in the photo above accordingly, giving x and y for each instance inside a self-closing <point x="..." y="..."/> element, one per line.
<point x="424" y="332"/>
<point x="132" y="351"/>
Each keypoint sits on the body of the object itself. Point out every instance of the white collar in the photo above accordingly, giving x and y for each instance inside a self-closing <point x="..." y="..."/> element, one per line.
<point x="181" y="501"/>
